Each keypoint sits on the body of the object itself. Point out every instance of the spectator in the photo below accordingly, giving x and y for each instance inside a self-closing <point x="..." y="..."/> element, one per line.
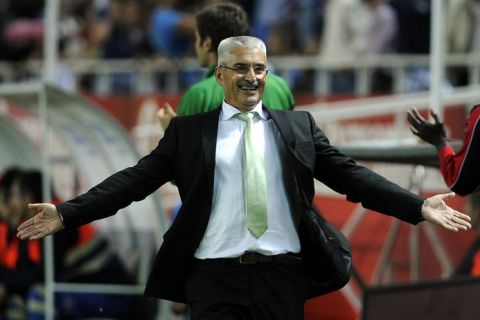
<point x="353" y="29"/>
<point x="414" y="38"/>
<point x="8" y="295"/>
<point x="125" y="40"/>
<point x="171" y="28"/>
<point x="81" y="256"/>
<point x="463" y="34"/>
<point x="21" y="28"/>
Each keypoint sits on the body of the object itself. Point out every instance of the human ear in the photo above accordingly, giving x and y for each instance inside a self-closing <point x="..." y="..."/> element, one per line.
<point x="219" y="76"/>
<point x="207" y="43"/>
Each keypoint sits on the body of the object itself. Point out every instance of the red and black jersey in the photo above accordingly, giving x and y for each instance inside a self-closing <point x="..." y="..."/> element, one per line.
<point x="461" y="170"/>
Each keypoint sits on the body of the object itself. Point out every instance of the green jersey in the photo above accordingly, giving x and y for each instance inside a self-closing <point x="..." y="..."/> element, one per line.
<point x="207" y="95"/>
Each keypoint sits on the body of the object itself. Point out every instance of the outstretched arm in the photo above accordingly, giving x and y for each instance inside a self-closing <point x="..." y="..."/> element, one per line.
<point x="46" y="221"/>
<point x="436" y="211"/>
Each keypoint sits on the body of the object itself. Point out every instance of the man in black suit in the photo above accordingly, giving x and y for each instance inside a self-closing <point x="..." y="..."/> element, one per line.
<point x="211" y="257"/>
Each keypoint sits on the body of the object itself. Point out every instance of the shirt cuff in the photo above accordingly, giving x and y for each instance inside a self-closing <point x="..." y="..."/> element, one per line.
<point x="61" y="218"/>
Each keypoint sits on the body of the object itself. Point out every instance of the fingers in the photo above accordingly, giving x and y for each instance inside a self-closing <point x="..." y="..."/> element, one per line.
<point x="462" y="216"/>
<point x="418" y="116"/>
<point x="165" y="115"/>
<point x="461" y="220"/>
<point x="411" y="118"/>
<point x="434" y="116"/>
<point x="414" y="131"/>
<point x="25" y="225"/>
<point x="446" y="196"/>
<point x="416" y="123"/>
<point x="454" y="220"/>
<point x="161" y="113"/>
<point x="415" y="118"/>
<point x="27" y="230"/>
<point x="168" y="108"/>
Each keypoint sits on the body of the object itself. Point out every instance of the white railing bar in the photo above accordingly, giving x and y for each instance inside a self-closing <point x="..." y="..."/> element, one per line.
<point x="81" y="66"/>
<point x="99" y="288"/>
<point x="15" y="89"/>
<point x="365" y="107"/>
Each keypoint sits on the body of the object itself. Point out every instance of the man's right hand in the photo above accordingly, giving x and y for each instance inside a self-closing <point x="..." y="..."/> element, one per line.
<point x="46" y="221"/>
<point x="165" y="115"/>
<point x="433" y="133"/>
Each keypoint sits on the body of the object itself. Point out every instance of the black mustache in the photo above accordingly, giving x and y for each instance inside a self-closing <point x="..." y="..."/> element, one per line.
<point x="248" y="83"/>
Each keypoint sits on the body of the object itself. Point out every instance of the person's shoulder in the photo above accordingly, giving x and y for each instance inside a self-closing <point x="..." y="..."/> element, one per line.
<point x="288" y="113"/>
<point x="276" y="80"/>
<point x="278" y="93"/>
<point x="475" y="110"/>
<point x="194" y="117"/>
<point x="203" y="96"/>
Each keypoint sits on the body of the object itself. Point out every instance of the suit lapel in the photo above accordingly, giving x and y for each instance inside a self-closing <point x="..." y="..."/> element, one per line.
<point x="283" y="126"/>
<point x="209" y="128"/>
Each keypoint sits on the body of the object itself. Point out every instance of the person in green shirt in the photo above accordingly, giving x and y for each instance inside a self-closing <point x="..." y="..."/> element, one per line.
<point x="213" y="24"/>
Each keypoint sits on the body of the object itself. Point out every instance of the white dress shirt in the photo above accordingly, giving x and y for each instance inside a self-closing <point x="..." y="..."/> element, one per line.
<point x="227" y="234"/>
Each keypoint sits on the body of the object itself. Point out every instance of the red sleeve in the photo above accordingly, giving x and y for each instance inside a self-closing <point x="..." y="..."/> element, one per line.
<point x="457" y="168"/>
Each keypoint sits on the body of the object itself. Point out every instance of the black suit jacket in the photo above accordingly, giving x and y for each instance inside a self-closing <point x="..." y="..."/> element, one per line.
<point x="186" y="154"/>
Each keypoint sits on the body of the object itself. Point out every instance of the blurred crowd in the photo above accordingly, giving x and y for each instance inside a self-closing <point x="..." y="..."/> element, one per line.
<point x="82" y="256"/>
<point x="335" y="30"/>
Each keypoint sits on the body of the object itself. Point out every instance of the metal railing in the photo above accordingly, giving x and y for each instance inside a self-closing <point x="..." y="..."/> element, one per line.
<point x="166" y="75"/>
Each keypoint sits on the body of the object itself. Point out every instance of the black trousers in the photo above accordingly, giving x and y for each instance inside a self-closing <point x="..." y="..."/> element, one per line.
<point x="232" y="291"/>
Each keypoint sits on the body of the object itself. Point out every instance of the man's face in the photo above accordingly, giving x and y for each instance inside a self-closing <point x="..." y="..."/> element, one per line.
<point x="17" y="205"/>
<point x="201" y="50"/>
<point x="244" y="83"/>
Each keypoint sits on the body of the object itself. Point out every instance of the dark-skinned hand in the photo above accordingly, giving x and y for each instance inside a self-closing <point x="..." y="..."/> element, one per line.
<point x="433" y="133"/>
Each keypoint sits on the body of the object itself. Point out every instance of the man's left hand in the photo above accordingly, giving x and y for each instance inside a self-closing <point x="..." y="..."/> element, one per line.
<point x="436" y="211"/>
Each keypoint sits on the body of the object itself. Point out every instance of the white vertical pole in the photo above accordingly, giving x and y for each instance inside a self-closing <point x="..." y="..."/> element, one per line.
<point x="48" y="258"/>
<point x="437" y="56"/>
<point x="50" y="58"/>
<point x="50" y="41"/>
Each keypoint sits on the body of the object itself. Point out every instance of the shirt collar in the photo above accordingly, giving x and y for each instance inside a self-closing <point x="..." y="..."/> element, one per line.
<point x="229" y="111"/>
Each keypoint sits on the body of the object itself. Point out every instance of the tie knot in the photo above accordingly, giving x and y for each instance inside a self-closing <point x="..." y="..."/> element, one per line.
<point x="246" y="116"/>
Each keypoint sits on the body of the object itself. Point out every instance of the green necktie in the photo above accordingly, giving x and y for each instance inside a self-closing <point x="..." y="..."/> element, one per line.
<point x="256" y="188"/>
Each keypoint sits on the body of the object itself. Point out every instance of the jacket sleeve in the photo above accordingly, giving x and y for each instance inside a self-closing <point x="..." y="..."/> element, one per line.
<point x="122" y="188"/>
<point x="342" y="174"/>
<point x="459" y="170"/>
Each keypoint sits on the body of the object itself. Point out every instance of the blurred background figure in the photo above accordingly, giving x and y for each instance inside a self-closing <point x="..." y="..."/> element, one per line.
<point x="463" y="34"/>
<point x="358" y="28"/>
<point x="12" y="291"/>
<point x="21" y="28"/>
<point x="413" y="37"/>
<point x="172" y="27"/>
<point x="81" y="256"/>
